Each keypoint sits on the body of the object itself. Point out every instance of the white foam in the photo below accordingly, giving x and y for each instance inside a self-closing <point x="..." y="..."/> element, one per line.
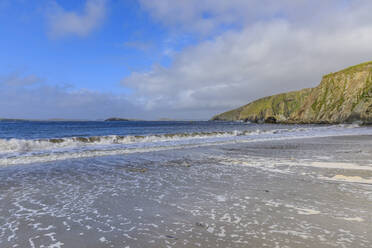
<point x="303" y="211"/>
<point x="293" y="233"/>
<point x="350" y="179"/>
<point x="59" y="244"/>
<point x="221" y="198"/>
<point x="357" y="219"/>
<point x="337" y="165"/>
<point x="24" y="145"/>
<point x="15" y="151"/>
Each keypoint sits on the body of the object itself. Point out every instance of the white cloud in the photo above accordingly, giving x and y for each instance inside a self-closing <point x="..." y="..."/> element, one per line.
<point x="254" y="48"/>
<point x="63" y="23"/>
<point x="206" y="15"/>
<point x="264" y="56"/>
<point x="26" y="97"/>
<point x="16" y="80"/>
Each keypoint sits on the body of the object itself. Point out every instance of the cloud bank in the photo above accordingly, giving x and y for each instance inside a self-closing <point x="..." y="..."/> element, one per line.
<point x="245" y="49"/>
<point x="207" y="15"/>
<point x="64" y="23"/>
<point x="31" y="97"/>
<point x="274" y="48"/>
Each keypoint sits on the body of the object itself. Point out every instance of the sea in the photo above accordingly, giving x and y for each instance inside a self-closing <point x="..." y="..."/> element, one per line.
<point x="41" y="141"/>
<point x="184" y="184"/>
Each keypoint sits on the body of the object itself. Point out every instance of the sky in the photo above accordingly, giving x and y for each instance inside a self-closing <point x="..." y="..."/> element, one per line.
<point x="184" y="59"/>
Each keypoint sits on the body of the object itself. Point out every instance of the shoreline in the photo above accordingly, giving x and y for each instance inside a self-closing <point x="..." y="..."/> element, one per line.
<point x="312" y="192"/>
<point x="103" y="153"/>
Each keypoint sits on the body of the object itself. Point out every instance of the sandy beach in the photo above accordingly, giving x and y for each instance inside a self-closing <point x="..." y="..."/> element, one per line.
<point x="185" y="124"/>
<point x="314" y="192"/>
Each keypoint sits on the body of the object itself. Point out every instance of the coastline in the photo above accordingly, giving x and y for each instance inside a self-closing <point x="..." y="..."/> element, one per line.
<point x="59" y="149"/>
<point x="293" y="192"/>
<point x="350" y="100"/>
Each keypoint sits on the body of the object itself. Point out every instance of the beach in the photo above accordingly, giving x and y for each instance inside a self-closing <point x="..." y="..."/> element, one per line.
<point x="298" y="192"/>
<point x="185" y="124"/>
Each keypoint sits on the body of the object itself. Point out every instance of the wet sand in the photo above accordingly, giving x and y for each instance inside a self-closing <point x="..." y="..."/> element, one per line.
<point x="313" y="192"/>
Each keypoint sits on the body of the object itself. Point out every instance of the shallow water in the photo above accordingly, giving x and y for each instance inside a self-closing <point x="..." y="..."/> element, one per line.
<point x="91" y="139"/>
<point x="283" y="192"/>
<point x="62" y="129"/>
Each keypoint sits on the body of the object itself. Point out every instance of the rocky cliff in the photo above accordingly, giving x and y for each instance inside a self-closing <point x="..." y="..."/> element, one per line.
<point x="341" y="97"/>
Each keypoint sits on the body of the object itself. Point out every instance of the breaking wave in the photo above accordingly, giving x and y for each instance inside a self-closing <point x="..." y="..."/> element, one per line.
<point x="24" y="145"/>
<point x="19" y="151"/>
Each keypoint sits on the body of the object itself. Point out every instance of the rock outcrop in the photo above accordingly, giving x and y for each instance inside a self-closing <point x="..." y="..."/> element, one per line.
<point x="341" y="97"/>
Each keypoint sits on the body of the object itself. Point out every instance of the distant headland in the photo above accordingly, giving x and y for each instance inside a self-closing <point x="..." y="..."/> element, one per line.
<point x="341" y="97"/>
<point x="116" y="119"/>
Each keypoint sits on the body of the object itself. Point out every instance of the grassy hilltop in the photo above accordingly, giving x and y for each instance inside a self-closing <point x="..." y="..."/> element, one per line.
<point x="341" y="97"/>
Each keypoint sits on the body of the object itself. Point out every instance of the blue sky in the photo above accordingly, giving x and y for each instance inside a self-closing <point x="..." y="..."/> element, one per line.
<point x="186" y="59"/>
<point x="96" y="61"/>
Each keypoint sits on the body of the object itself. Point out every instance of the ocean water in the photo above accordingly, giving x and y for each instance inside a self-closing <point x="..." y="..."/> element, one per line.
<point x="29" y="142"/>
<point x="184" y="184"/>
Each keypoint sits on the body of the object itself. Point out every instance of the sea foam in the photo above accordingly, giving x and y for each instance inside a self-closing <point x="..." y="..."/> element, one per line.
<point x="20" y="151"/>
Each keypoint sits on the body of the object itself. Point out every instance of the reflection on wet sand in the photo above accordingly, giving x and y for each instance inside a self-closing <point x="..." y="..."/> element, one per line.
<point x="294" y="193"/>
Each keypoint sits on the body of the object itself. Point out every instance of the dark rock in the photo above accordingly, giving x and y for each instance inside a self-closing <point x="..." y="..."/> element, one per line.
<point x="199" y="224"/>
<point x="270" y="119"/>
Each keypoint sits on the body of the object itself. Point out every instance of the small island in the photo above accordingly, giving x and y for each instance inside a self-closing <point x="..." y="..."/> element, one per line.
<point x="116" y="119"/>
<point x="11" y="120"/>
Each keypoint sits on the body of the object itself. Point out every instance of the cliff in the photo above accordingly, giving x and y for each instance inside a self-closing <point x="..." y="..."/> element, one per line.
<point x="341" y="97"/>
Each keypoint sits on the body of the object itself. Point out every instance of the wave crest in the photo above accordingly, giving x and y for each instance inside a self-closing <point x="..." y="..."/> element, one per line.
<point x="24" y="145"/>
<point x="15" y="151"/>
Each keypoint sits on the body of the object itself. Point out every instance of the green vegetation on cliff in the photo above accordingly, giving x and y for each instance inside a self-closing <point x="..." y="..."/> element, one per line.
<point x="343" y="96"/>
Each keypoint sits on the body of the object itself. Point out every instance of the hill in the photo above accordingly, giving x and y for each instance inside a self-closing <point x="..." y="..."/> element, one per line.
<point x="341" y="97"/>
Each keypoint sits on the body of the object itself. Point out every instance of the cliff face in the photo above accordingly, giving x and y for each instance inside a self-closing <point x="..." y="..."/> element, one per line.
<point x="341" y="97"/>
